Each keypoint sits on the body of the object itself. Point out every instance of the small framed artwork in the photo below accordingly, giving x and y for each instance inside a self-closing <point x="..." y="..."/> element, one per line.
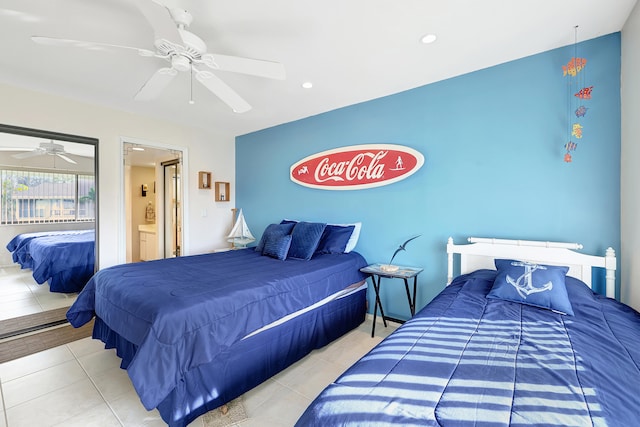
<point x="204" y="180"/>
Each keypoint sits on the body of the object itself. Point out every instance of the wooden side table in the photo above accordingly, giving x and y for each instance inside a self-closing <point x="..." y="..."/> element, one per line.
<point x="377" y="273"/>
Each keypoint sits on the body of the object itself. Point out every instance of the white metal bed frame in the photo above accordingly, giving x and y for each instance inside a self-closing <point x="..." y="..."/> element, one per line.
<point x="481" y="252"/>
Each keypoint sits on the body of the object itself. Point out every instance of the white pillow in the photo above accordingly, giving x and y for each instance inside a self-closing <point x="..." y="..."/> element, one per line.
<point x="355" y="234"/>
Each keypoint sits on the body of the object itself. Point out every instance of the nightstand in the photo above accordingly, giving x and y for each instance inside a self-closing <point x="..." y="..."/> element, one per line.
<point x="405" y="273"/>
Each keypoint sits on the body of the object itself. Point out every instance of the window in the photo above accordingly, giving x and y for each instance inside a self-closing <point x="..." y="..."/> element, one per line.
<point x="44" y="197"/>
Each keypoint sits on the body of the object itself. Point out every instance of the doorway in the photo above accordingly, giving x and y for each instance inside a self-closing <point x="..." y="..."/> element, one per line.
<point x="172" y="211"/>
<point x="153" y="208"/>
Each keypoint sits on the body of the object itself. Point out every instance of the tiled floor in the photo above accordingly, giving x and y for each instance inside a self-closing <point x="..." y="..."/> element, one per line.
<point x="21" y="295"/>
<point x="80" y="384"/>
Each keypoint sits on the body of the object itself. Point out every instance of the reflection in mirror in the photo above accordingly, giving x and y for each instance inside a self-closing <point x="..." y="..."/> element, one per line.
<point x="48" y="209"/>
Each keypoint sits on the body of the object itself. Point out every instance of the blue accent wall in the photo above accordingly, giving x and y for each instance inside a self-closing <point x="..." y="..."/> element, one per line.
<point x="493" y="145"/>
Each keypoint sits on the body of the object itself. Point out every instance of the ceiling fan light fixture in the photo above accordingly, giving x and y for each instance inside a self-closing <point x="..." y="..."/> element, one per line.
<point x="180" y="63"/>
<point x="428" y="38"/>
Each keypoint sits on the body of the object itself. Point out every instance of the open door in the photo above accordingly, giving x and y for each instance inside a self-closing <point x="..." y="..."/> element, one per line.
<point x="172" y="208"/>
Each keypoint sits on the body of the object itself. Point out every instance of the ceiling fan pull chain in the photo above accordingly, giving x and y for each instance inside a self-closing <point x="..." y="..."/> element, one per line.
<point x="191" y="75"/>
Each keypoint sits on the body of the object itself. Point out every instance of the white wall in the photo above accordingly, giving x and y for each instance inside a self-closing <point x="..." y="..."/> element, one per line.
<point x="207" y="150"/>
<point x="630" y="153"/>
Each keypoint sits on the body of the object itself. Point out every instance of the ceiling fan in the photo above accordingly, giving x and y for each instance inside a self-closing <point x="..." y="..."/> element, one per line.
<point x="185" y="52"/>
<point x="50" y="148"/>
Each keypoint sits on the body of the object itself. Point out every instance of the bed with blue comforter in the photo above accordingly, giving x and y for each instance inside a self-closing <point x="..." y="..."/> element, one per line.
<point x="64" y="259"/>
<point x="469" y="360"/>
<point x="184" y="326"/>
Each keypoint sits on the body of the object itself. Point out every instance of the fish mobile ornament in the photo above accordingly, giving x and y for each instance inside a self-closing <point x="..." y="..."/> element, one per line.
<point x="574" y="66"/>
<point x="581" y="111"/>
<point x="572" y="70"/>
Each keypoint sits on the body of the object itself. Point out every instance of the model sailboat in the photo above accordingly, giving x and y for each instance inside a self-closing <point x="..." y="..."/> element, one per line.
<point x="240" y="235"/>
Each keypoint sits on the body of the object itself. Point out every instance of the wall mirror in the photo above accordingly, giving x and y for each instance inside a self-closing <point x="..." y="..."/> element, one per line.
<point x="48" y="225"/>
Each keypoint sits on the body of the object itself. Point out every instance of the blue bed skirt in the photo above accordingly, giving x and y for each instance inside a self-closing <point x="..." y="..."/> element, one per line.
<point x="249" y="362"/>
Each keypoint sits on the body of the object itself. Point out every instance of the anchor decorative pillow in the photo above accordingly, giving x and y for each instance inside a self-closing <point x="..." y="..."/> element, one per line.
<point x="532" y="284"/>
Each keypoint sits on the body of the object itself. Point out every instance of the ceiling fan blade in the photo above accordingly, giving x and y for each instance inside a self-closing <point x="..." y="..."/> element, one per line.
<point x="253" y="67"/>
<point x="222" y="91"/>
<point x="63" y="157"/>
<point x="159" y="17"/>
<point x="156" y="84"/>
<point x="28" y="154"/>
<point x="53" y="41"/>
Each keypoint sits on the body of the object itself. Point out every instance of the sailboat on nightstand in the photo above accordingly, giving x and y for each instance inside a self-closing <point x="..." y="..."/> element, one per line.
<point x="240" y="235"/>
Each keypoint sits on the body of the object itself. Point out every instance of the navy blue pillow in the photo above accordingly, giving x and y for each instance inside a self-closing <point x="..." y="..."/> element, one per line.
<point x="532" y="284"/>
<point x="304" y="239"/>
<point x="273" y="231"/>
<point x="277" y="246"/>
<point x="334" y="239"/>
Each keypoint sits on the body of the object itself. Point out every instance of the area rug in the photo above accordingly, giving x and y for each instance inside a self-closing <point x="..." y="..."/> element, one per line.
<point x="235" y="414"/>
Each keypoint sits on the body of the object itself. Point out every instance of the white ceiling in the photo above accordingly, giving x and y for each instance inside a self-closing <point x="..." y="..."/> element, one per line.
<point x="352" y="50"/>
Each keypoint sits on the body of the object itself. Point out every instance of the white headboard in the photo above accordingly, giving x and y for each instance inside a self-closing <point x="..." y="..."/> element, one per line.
<point x="481" y="252"/>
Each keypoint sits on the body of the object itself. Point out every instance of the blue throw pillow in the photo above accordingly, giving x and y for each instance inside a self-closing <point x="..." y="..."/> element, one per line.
<point x="277" y="247"/>
<point x="273" y="231"/>
<point x="334" y="239"/>
<point x="532" y="284"/>
<point x="304" y="239"/>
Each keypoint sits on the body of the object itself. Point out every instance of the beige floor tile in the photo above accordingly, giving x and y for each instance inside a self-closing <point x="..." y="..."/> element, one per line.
<point x="311" y="376"/>
<point x="257" y="396"/>
<point x="98" y="416"/>
<point x="98" y="362"/>
<point x="57" y="407"/>
<point x="20" y="311"/>
<point x="264" y="422"/>
<point x="16" y="298"/>
<point x="131" y="413"/>
<point x="52" y="304"/>
<point x="281" y="409"/>
<point x="85" y="346"/>
<point x="12" y="286"/>
<point x="113" y="383"/>
<point x="34" y="363"/>
<point x="42" y="382"/>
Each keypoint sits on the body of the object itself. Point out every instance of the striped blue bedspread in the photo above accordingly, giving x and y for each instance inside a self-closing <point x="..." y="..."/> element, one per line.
<point x="465" y="360"/>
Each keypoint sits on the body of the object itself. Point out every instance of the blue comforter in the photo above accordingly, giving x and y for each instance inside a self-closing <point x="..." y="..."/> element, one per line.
<point x="181" y="312"/>
<point x="466" y="360"/>
<point x="65" y="261"/>
<point x="19" y="246"/>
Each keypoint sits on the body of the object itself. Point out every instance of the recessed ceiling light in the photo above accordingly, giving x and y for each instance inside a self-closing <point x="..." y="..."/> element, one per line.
<point x="428" y="38"/>
<point x="307" y="85"/>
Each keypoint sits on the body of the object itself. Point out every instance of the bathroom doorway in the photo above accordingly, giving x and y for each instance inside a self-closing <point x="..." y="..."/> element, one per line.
<point x="153" y="201"/>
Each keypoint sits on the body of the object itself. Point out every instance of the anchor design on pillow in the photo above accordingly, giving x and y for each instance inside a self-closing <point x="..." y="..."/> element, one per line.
<point x="527" y="288"/>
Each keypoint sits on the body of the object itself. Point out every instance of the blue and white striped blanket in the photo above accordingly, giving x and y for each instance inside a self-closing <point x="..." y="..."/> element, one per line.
<point x="466" y="360"/>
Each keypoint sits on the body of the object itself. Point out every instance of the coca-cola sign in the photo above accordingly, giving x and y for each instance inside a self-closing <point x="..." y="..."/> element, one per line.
<point x="357" y="166"/>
